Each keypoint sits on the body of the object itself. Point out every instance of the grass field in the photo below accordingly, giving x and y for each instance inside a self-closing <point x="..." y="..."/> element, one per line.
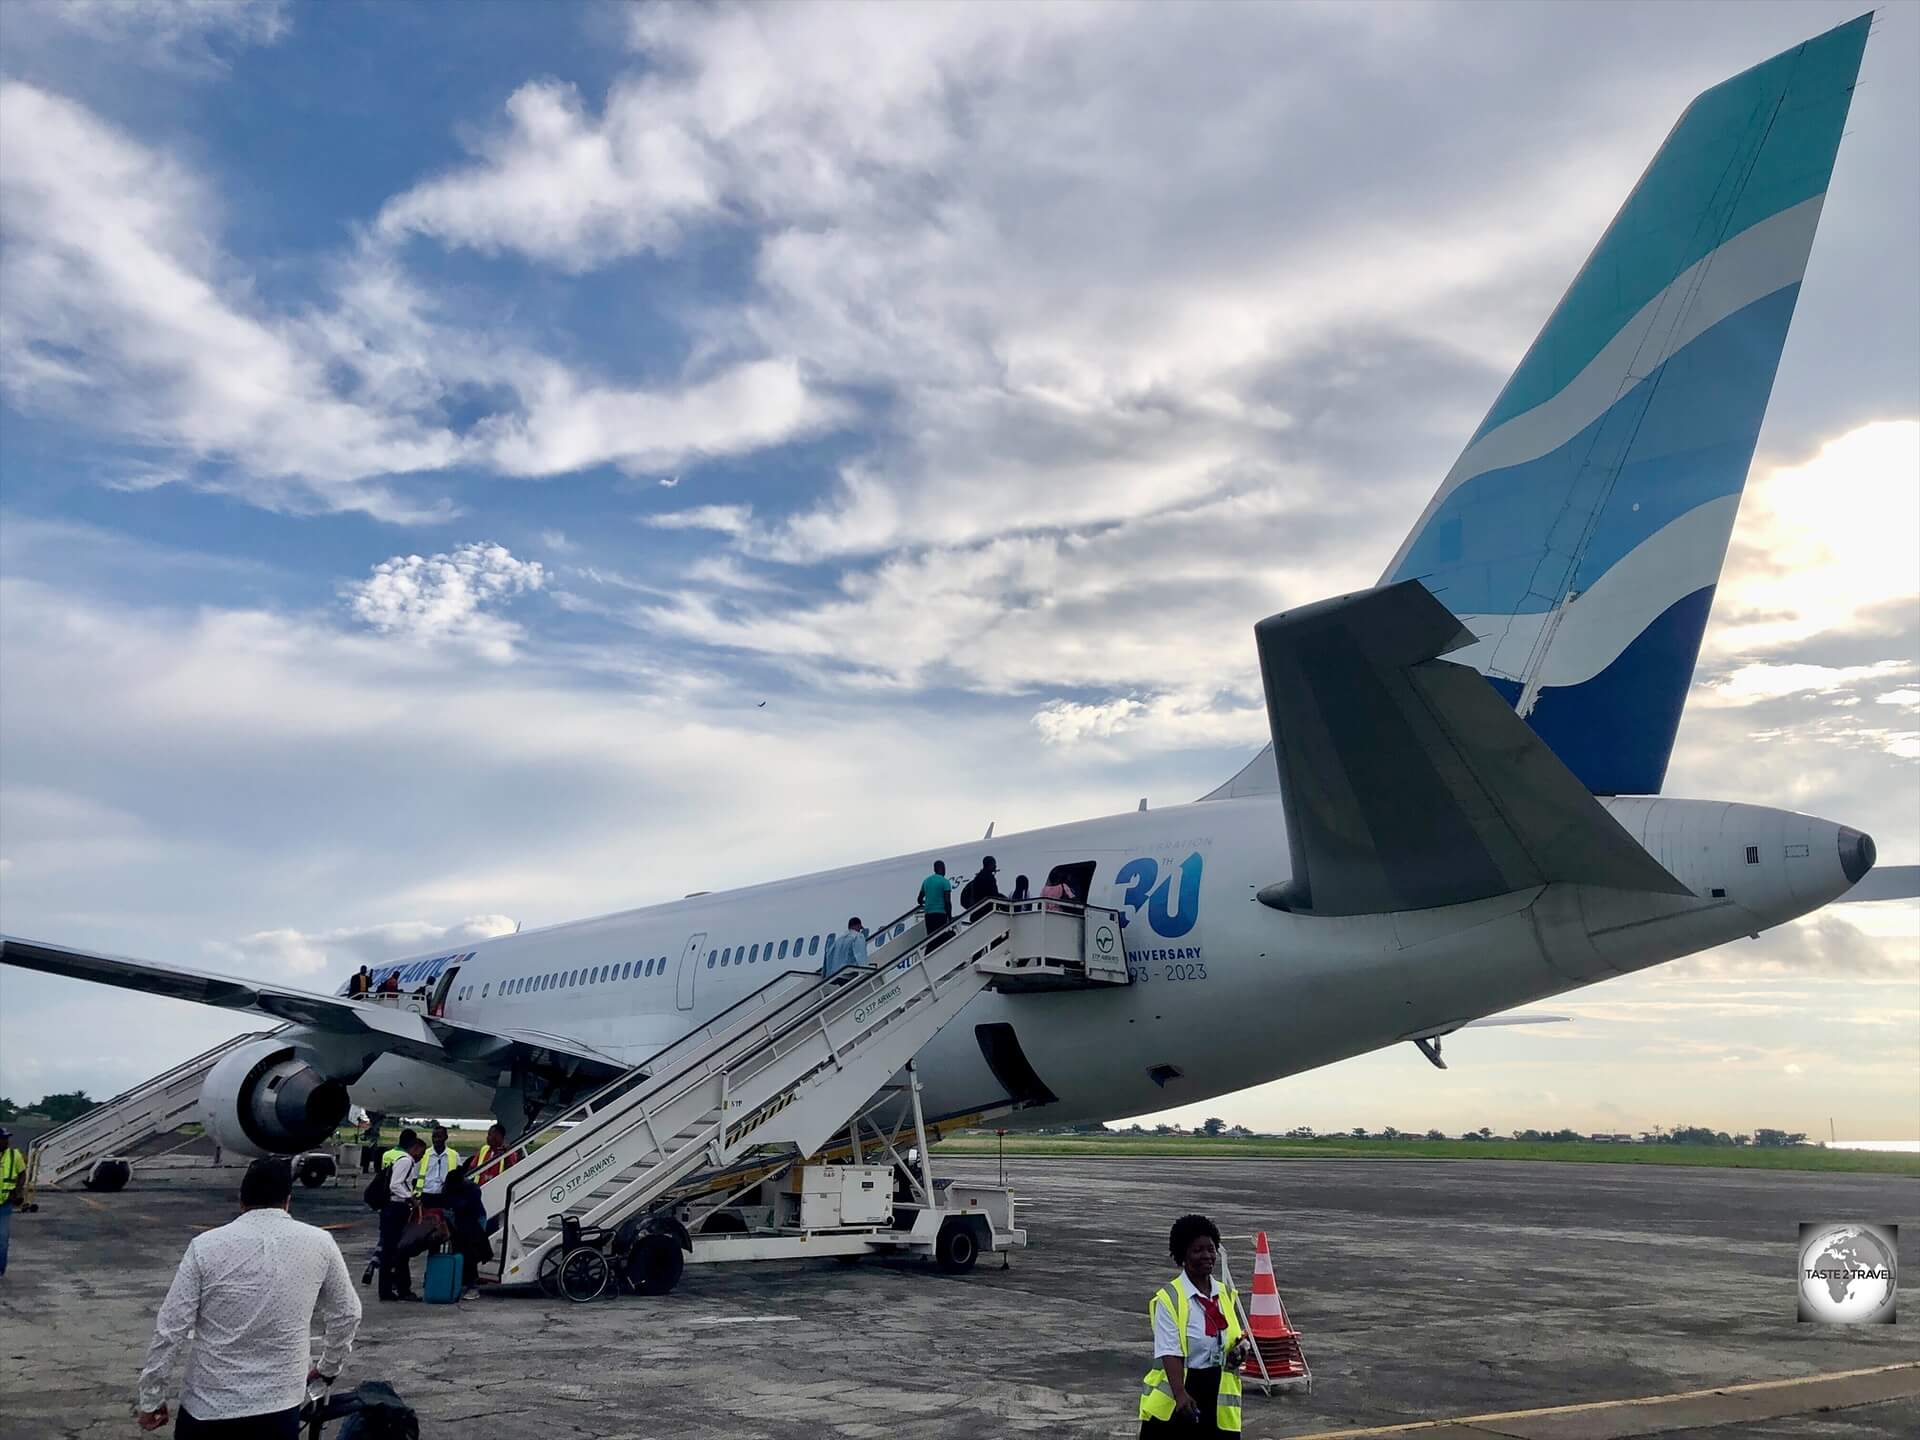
<point x="1342" y="1148"/>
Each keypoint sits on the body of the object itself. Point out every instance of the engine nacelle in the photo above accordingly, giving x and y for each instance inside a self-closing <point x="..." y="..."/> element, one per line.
<point x="268" y="1098"/>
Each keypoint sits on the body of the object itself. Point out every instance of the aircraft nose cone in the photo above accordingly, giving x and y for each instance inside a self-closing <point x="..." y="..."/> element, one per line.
<point x="1856" y="854"/>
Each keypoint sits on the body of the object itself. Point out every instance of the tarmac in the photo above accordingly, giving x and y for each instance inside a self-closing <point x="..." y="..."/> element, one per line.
<point x="1538" y="1301"/>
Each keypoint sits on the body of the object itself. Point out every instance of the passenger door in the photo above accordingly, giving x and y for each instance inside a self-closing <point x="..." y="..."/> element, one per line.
<point x="689" y="967"/>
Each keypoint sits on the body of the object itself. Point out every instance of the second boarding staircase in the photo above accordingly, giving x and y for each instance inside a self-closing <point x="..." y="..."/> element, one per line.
<point x="154" y="1107"/>
<point x="784" y="1069"/>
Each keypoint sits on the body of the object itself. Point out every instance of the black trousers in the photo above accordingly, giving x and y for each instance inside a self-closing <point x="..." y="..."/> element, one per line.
<point x="275" y="1425"/>
<point x="396" y="1275"/>
<point x="937" y="920"/>
<point x="1204" y="1387"/>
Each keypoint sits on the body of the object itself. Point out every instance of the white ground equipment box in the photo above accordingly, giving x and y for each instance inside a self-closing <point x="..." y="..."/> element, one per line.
<point x="832" y="1195"/>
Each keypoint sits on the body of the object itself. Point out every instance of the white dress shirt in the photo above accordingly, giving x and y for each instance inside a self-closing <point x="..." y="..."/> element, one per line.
<point x="435" y="1166"/>
<point x="405" y="1167"/>
<point x="245" y="1298"/>
<point x="1204" y="1351"/>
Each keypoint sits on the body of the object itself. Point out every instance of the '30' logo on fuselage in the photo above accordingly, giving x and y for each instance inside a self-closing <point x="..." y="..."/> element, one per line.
<point x="1170" y="911"/>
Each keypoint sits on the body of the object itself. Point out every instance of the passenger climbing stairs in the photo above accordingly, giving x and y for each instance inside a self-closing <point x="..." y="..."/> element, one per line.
<point x="783" y="1070"/>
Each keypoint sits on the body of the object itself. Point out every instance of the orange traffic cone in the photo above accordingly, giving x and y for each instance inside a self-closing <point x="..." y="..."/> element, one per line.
<point x="1279" y="1359"/>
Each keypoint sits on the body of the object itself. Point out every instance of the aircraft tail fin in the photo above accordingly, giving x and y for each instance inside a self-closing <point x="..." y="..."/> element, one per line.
<point x="1580" y="535"/>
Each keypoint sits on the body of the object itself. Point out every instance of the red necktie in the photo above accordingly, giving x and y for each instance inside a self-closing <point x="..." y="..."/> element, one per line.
<point x="1216" y="1322"/>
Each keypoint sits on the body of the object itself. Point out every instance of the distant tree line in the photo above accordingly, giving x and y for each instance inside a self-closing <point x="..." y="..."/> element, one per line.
<point x="1762" y="1138"/>
<point x="68" y="1105"/>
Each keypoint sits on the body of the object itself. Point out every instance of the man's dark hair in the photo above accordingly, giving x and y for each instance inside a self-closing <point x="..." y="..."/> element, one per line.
<point x="989" y="864"/>
<point x="407" y="1137"/>
<point x="939" y="867"/>
<point x="416" y="1143"/>
<point x="853" y="922"/>
<point x="268" y="1182"/>
<point x="1186" y="1230"/>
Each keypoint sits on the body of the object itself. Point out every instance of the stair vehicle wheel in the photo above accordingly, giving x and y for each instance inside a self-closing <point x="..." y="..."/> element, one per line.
<point x="550" y="1273"/>
<point x="655" y="1265"/>
<point x="315" y="1170"/>
<point x="958" y="1246"/>
<point x="107" y="1176"/>
<point x="583" y="1274"/>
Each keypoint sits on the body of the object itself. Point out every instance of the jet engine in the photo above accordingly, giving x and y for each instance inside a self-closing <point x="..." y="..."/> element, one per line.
<point x="268" y="1098"/>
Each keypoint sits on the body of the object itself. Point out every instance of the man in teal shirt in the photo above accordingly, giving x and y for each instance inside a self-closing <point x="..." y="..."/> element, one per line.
<point x="936" y="899"/>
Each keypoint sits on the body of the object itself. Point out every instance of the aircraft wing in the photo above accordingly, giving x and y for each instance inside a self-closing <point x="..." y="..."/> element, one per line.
<point x="1407" y="781"/>
<point x="437" y="1041"/>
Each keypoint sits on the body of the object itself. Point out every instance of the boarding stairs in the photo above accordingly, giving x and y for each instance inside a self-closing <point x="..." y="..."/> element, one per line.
<point x="783" y="1071"/>
<point x="157" y="1106"/>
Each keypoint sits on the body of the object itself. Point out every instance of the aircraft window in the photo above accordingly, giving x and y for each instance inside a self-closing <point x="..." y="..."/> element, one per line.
<point x="600" y="975"/>
<point x="485" y="988"/>
<point x="754" y="955"/>
<point x="646" y="969"/>
<point x="650" y="965"/>
<point x="813" y="946"/>
<point x="783" y="949"/>
<point x="711" y="956"/>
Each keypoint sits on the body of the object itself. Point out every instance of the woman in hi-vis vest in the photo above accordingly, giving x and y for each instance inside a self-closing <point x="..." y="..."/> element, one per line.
<point x="1194" y="1386"/>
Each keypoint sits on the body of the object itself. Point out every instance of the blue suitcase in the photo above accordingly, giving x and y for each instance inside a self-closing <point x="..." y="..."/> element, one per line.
<point x="442" y="1285"/>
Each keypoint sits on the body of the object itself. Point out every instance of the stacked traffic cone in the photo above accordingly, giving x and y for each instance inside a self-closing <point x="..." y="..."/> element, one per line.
<point x="1279" y="1359"/>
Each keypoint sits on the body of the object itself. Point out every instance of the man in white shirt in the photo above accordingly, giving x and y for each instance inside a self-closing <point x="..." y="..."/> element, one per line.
<point x="440" y="1161"/>
<point x="243" y="1303"/>
<point x="396" y="1274"/>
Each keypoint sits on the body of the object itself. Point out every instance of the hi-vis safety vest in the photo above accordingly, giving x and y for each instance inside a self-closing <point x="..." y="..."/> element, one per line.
<point x="12" y="1166"/>
<point x="1156" y="1400"/>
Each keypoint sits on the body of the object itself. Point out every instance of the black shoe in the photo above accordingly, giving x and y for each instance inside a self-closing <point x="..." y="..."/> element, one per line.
<point x="409" y="1295"/>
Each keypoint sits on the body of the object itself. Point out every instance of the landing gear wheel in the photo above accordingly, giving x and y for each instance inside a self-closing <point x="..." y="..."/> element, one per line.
<point x="550" y="1273"/>
<point x="583" y="1274"/>
<point x="655" y="1264"/>
<point x="957" y="1248"/>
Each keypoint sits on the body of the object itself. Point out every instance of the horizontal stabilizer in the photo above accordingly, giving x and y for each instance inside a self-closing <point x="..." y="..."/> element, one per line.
<point x="1408" y="782"/>
<point x="1886" y="882"/>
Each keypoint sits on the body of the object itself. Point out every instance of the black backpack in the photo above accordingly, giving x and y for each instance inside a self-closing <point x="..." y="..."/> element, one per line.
<point x="372" y="1412"/>
<point x="378" y="1189"/>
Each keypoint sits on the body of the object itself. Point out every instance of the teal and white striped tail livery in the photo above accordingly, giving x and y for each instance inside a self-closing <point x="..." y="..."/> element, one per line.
<point x="1582" y="532"/>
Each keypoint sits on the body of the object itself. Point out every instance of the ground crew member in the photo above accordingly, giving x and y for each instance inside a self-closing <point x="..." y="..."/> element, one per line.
<point x="936" y="899"/>
<point x="242" y="1304"/>
<point x="438" y="1163"/>
<point x="400" y="1147"/>
<point x="396" y="1274"/>
<point x="1197" y="1342"/>
<point x="495" y="1147"/>
<point x="13" y="1179"/>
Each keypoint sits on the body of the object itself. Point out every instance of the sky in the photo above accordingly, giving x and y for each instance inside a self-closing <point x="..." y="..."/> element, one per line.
<point x="429" y="432"/>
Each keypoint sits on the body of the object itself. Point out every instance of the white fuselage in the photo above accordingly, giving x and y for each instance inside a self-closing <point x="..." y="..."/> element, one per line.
<point x="1227" y="992"/>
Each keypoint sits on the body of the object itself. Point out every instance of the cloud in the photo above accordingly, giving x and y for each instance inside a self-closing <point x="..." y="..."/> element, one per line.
<point x="447" y="597"/>
<point x="1823" y="547"/>
<point x="561" y="187"/>
<point x="725" y="519"/>
<point x="121" y="308"/>
<point x="295" y="953"/>
<point x="189" y="33"/>
<point x="1166" y="721"/>
<point x="1761" y="680"/>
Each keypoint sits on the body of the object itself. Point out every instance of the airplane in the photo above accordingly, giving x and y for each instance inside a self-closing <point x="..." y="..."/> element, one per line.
<point x="1459" y="812"/>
